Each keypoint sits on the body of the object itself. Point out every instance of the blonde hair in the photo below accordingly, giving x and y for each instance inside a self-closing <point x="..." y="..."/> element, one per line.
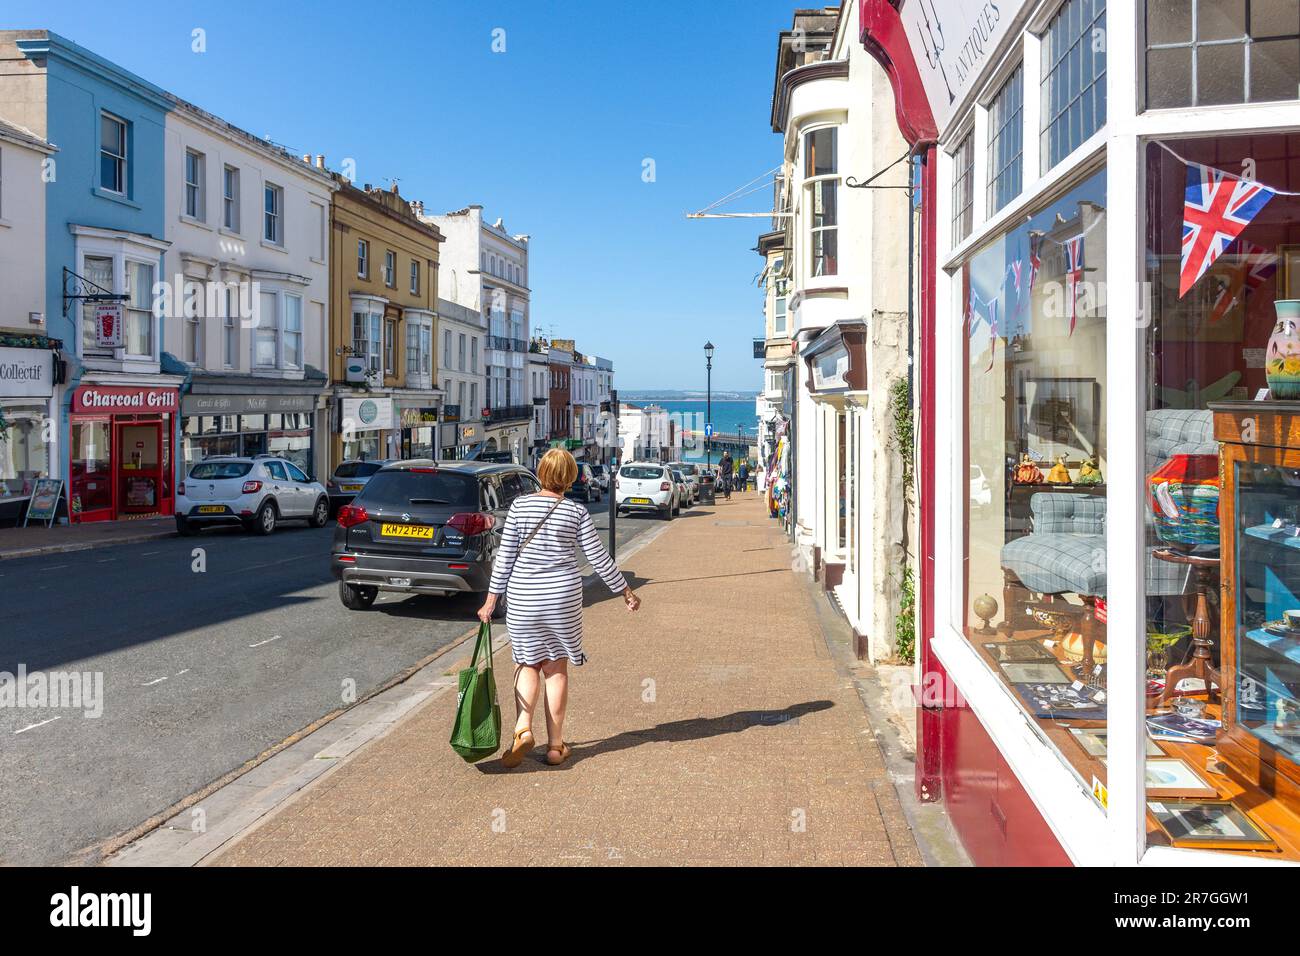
<point x="557" y="470"/>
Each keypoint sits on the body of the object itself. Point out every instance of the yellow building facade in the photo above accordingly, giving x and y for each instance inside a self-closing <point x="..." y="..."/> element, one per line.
<point x="383" y="327"/>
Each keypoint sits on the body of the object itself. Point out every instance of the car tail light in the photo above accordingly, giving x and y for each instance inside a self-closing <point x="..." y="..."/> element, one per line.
<point x="423" y="471"/>
<point x="470" y="523"/>
<point x="180" y="489"/>
<point x="664" y="486"/>
<point x="350" y="515"/>
<point x="252" y="487"/>
<point x="458" y="567"/>
<point x="348" y="558"/>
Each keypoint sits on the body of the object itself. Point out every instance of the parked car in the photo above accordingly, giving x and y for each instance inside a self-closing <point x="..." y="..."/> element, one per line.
<point x="981" y="494"/>
<point x="257" y="492"/>
<point x="425" y="527"/>
<point x="692" y="473"/>
<point x="585" y="487"/>
<point x="602" y="477"/>
<point x="645" y="486"/>
<point x="684" y="494"/>
<point x="348" y="480"/>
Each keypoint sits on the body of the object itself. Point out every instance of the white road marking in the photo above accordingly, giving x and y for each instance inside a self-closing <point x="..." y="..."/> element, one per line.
<point x="267" y="641"/>
<point x="179" y="673"/>
<point x="147" y="553"/>
<point x="152" y="682"/>
<point x="41" y="724"/>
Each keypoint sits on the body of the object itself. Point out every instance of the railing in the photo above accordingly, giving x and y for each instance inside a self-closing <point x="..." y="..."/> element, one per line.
<point x="504" y="344"/>
<point x="508" y="412"/>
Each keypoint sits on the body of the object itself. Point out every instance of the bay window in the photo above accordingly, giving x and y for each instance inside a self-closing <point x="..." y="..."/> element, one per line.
<point x="366" y="330"/>
<point x="821" y="185"/>
<point x="139" y="319"/>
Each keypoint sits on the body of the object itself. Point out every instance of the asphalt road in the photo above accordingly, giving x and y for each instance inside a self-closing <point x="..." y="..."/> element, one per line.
<point x="202" y="670"/>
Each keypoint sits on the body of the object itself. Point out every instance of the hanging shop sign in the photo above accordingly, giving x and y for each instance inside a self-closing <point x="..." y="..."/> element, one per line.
<point x="451" y="413"/>
<point x="952" y="41"/>
<point x="366" y="414"/>
<point x="26" y="373"/>
<point x="124" y="399"/>
<point x="108" y="325"/>
<point x="469" y="433"/>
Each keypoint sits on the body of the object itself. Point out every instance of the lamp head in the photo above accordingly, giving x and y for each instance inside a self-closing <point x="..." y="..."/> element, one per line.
<point x="708" y="350"/>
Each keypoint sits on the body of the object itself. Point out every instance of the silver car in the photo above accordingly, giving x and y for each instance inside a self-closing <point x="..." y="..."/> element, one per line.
<point x="348" y="480"/>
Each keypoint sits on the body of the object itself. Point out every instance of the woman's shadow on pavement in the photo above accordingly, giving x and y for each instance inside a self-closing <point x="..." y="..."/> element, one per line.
<point x="693" y="728"/>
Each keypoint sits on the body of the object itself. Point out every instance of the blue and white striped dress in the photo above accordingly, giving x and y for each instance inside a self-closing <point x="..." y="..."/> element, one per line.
<point x="542" y="586"/>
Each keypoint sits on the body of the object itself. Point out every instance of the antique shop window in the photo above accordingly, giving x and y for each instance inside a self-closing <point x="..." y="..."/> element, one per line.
<point x="1209" y="52"/>
<point x="1222" y="484"/>
<point x="963" y="196"/>
<point x="1006" y="140"/>
<point x="1074" y="78"/>
<point x="24" y="452"/>
<point x="822" y="184"/>
<point x="1034" y="324"/>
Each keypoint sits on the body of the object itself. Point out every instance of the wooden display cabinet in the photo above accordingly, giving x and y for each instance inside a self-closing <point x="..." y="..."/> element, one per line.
<point x="1259" y="511"/>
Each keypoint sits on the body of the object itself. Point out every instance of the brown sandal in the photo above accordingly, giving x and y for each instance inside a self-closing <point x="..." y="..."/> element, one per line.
<point x="563" y="750"/>
<point x="515" y="755"/>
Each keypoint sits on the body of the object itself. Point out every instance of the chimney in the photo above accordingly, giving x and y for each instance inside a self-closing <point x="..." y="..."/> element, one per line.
<point x="306" y="158"/>
<point x="393" y="188"/>
<point x="320" y="160"/>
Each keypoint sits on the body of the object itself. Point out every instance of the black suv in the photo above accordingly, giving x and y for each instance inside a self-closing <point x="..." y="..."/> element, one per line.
<point x="585" y="485"/>
<point x="424" y="527"/>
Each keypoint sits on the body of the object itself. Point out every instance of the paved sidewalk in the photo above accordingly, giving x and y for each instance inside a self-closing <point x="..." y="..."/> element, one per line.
<point x="37" y="539"/>
<point x="712" y="727"/>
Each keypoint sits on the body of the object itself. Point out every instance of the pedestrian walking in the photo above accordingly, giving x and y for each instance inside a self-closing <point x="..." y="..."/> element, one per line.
<point x="744" y="476"/>
<point x="536" y="568"/>
<point x="725" y="468"/>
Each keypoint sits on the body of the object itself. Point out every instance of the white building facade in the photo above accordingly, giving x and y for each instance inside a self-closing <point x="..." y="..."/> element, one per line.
<point x="245" y="291"/>
<point x="491" y="265"/>
<point x="462" y="371"/>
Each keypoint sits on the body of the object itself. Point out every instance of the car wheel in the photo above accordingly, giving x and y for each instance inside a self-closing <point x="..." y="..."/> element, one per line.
<point x="668" y="513"/>
<point x="264" y="523"/>
<point x="320" y="514"/>
<point x="357" y="597"/>
<point x="183" y="527"/>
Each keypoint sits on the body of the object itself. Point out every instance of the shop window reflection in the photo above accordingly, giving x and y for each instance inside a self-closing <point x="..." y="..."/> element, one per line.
<point x="1033" y="324"/>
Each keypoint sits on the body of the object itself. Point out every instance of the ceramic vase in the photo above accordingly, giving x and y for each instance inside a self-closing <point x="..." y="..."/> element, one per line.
<point x="1282" y="362"/>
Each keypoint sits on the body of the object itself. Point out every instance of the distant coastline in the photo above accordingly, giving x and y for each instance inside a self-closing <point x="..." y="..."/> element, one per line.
<point x="684" y="395"/>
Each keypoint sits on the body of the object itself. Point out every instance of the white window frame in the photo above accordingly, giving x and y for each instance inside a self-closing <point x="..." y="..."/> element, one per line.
<point x="281" y="332"/>
<point x="807" y="188"/>
<point x="415" y="277"/>
<point x="195" y="204"/>
<point x="363" y="259"/>
<point x="122" y="160"/>
<point x="390" y="268"/>
<point x="273" y="219"/>
<point x="371" y="312"/>
<point x="230" y="198"/>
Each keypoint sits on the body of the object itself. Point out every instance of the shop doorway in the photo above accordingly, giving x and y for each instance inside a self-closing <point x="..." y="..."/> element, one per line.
<point x="140" y="468"/>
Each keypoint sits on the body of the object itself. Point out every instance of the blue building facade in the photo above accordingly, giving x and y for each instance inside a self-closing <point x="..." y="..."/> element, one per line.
<point x="105" y="214"/>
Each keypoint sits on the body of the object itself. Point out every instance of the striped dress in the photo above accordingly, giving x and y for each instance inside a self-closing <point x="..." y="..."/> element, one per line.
<point x="542" y="586"/>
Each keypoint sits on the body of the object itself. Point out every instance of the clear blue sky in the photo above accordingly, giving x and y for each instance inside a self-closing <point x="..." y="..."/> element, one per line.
<point x="550" y="134"/>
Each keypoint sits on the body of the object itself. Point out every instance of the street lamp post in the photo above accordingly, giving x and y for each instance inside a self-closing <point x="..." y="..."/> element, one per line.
<point x="708" y="403"/>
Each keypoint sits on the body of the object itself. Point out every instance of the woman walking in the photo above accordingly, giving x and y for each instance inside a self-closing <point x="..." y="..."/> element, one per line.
<point x="537" y="570"/>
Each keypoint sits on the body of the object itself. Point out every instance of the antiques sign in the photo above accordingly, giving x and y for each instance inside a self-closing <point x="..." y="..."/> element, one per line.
<point x="952" y="41"/>
<point x="26" y="373"/>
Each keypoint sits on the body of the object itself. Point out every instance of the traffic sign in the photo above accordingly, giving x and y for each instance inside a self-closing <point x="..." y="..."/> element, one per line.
<point x="708" y="429"/>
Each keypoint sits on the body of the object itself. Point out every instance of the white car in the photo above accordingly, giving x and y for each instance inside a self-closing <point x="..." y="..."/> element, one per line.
<point x="602" y="476"/>
<point x="646" y="486"/>
<point x="981" y="495"/>
<point x="692" y="473"/>
<point x="255" y="492"/>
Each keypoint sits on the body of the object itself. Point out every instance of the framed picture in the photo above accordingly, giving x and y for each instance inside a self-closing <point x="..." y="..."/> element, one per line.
<point x="1063" y="701"/>
<point x="1061" y="417"/>
<point x="1018" y="651"/>
<point x="1093" y="740"/>
<point x="1208" y="825"/>
<point x="1172" y="777"/>
<point x="1034" y="672"/>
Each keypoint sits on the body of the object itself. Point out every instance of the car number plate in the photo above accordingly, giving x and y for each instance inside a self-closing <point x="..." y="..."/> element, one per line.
<point x="400" y="582"/>
<point x="406" y="531"/>
<point x="351" y="487"/>
<point x="212" y="509"/>
<point x="639" y="501"/>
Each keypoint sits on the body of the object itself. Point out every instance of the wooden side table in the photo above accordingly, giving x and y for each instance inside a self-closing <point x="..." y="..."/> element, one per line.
<point x="1205" y="574"/>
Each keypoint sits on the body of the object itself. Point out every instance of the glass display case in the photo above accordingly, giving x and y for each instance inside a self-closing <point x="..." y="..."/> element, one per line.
<point x="1260" y="505"/>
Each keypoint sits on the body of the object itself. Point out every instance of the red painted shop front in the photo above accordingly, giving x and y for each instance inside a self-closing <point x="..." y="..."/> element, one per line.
<point x="957" y="762"/>
<point x="120" y="452"/>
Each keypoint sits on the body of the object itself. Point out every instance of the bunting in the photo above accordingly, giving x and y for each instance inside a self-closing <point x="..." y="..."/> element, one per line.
<point x="1217" y="206"/>
<point x="1073" y="275"/>
<point x="1256" y="265"/>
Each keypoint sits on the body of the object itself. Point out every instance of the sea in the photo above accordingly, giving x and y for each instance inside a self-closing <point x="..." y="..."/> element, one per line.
<point x="728" y="418"/>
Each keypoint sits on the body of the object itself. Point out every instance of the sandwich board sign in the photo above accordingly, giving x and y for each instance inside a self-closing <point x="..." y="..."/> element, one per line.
<point x="44" y="503"/>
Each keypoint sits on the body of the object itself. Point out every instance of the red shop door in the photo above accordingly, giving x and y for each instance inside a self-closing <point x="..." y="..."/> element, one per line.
<point x="139" y="467"/>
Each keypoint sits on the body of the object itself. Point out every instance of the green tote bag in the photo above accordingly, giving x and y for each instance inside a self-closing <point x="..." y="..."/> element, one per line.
<point x="477" y="731"/>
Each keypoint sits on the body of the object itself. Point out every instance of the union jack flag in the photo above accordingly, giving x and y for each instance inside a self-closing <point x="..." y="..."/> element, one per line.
<point x="1217" y="207"/>
<point x="1256" y="264"/>
<point x="1015" y="274"/>
<point x="1073" y="274"/>
<point x="1035" y="260"/>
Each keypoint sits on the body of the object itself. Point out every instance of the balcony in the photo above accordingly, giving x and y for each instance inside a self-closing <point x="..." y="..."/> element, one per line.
<point x="508" y="413"/>
<point x="504" y="344"/>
